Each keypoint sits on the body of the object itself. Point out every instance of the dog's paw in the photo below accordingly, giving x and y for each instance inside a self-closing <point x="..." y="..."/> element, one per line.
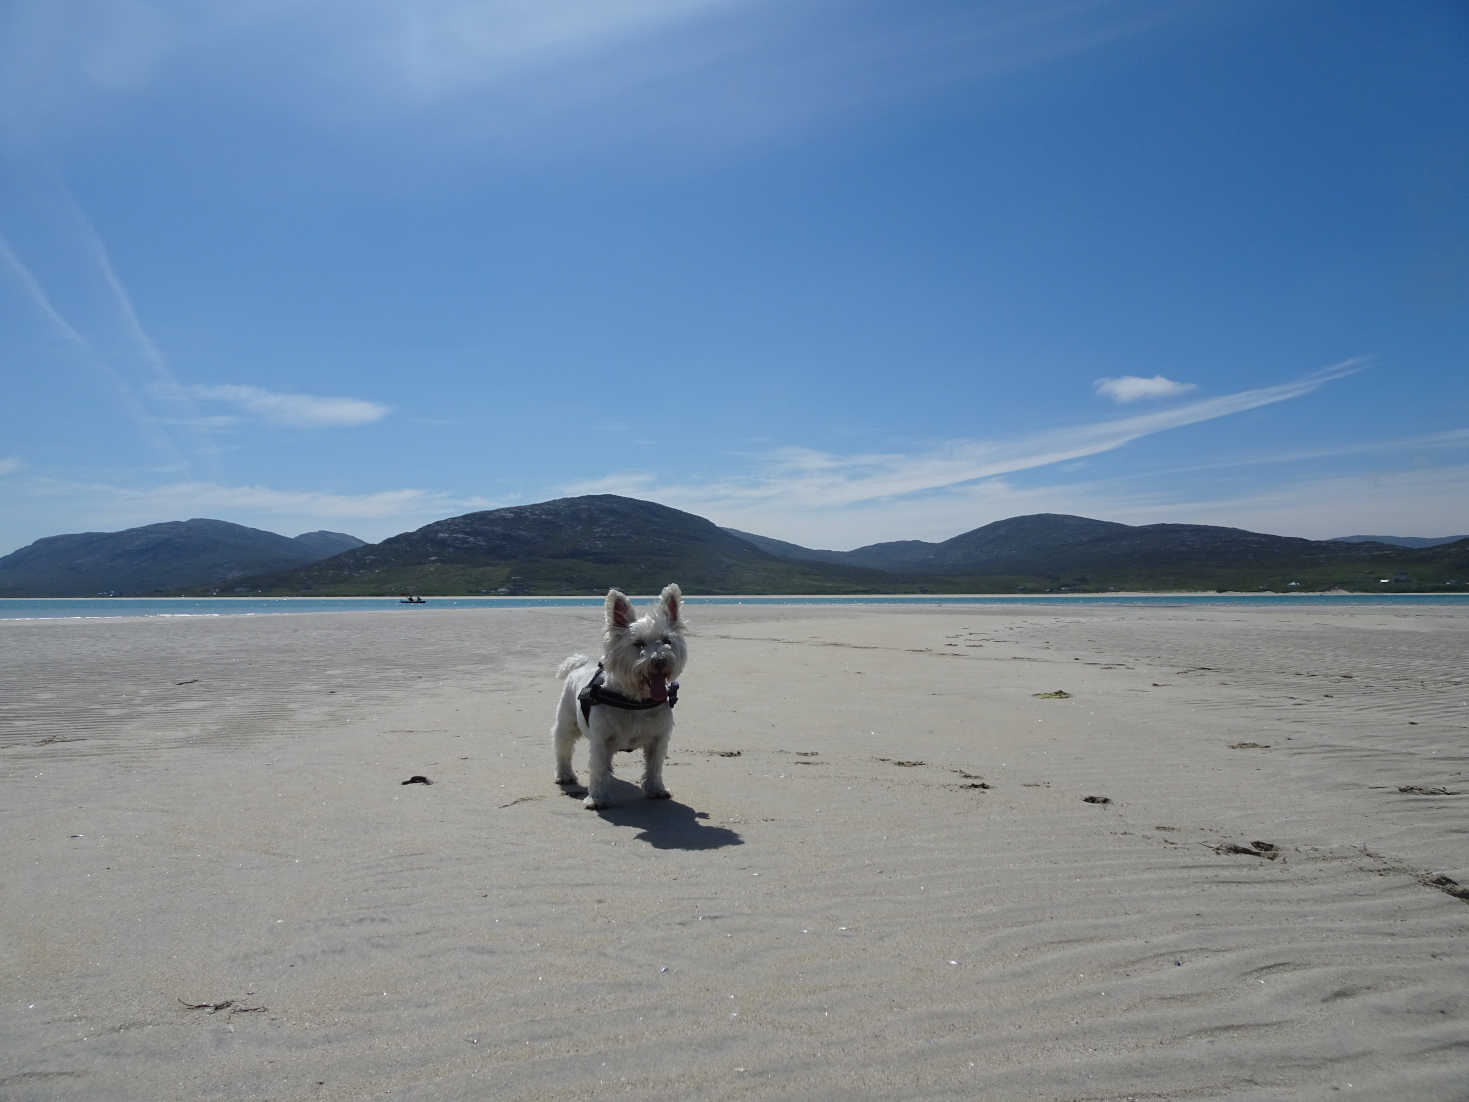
<point x="568" y="781"/>
<point x="591" y="803"/>
<point x="656" y="792"/>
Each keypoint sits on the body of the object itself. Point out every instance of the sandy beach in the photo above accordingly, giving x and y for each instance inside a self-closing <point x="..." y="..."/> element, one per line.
<point x="1231" y="862"/>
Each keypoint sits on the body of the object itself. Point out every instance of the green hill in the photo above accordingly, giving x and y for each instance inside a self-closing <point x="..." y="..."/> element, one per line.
<point x="158" y="559"/>
<point x="567" y="546"/>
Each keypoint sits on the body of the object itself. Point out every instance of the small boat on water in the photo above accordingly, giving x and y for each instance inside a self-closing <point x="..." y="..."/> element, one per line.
<point x="413" y="601"/>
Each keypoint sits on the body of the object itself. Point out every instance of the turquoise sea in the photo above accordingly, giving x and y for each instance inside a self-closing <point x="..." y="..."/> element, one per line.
<point x="86" y="608"/>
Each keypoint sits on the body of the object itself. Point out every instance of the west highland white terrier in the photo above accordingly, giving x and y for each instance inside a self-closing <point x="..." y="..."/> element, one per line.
<point x="625" y="701"/>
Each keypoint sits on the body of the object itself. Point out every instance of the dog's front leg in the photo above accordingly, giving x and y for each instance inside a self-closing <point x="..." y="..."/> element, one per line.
<point x="653" y="755"/>
<point x="599" y="771"/>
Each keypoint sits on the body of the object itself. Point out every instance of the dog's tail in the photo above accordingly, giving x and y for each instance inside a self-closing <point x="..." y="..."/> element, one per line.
<point x="576" y="661"/>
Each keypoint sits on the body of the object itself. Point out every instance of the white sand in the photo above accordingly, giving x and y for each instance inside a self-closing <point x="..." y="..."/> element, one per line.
<point x="202" y="810"/>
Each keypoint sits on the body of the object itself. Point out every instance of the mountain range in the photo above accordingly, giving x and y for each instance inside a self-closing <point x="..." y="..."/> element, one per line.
<point x="1404" y="541"/>
<point x="1053" y="543"/>
<point x="585" y="544"/>
<point x="1059" y="552"/>
<point x="158" y="559"/>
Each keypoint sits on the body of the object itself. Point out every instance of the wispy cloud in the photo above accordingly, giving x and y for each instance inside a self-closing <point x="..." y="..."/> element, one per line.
<point x="277" y="408"/>
<point x="1449" y="440"/>
<point x="446" y="48"/>
<point x="143" y="344"/>
<point x="706" y="74"/>
<point x="37" y="296"/>
<point x="799" y="485"/>
<point x="819" y="480"/>
<point x="1133" y="388"/>
<point x="696" y="71"/>
<point x="10" y="465"/>
<point x="88" y="351"/>
<point x="180" y="498"/>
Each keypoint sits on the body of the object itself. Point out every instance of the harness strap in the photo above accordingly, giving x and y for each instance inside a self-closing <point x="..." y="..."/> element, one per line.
<point x="594" y="693"/>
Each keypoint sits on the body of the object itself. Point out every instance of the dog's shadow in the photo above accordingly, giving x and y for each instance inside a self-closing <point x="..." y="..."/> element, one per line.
<point x="665" y="824"/>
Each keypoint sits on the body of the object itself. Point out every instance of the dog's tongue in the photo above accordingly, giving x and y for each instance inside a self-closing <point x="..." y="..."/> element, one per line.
<point x="658" y="690"/>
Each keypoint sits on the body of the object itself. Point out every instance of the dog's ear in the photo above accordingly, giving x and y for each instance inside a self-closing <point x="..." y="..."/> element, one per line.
<point x="619" y="610"/>
<point x="671" y="601"/>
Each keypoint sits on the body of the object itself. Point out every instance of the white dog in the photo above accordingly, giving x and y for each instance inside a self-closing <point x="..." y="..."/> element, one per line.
<point x="625" y="701"/>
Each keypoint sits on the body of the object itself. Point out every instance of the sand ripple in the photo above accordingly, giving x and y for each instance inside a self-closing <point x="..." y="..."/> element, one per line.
<point x="878" y="878"/>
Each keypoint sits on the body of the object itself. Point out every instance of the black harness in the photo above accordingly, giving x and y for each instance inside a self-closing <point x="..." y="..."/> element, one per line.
<point x="594" y="693"/>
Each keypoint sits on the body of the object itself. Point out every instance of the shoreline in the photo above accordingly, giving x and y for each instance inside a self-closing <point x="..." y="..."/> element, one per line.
<point x="791" y="596"/>
<point x="551" y="600"/>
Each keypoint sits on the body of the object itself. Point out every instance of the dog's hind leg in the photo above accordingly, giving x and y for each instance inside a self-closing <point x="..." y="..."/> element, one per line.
<point x="564" y="734"/>
<point x="653" y="755"/>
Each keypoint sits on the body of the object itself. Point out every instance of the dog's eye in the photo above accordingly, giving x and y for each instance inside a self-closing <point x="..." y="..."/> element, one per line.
<point x="666" y="640"/>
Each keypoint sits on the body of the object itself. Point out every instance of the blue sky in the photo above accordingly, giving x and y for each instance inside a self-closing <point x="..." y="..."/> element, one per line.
<point x="834" y="272"/>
